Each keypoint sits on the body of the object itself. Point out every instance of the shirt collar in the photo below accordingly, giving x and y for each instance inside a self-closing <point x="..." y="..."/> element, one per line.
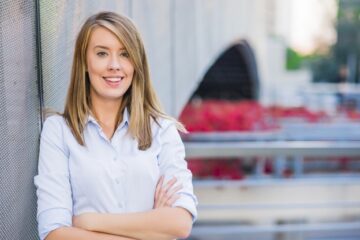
<point x="125" y="119"/>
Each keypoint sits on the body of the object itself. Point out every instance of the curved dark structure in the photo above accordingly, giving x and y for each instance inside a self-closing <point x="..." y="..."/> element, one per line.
<point x="233" y="76"/>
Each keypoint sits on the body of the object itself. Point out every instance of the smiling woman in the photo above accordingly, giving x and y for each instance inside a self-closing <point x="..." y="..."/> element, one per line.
<point x="109" y="67"/>
<point x="112" y="165"/>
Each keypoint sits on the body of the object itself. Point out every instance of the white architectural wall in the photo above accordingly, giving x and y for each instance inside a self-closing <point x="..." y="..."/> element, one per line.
<point x="198" y="31"/>
<point x="182" y="37"/>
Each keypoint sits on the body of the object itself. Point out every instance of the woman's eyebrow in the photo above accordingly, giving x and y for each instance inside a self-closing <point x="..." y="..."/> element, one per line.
<point x="99" y="46"/>
<point x="104" y="47"/>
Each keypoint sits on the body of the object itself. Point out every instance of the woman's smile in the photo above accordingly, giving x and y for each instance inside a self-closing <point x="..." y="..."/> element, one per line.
<point x="113" y="82"/>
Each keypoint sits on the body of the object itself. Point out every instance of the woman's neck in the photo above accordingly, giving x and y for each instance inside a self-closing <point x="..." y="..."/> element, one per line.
<point x="106" y="112"/>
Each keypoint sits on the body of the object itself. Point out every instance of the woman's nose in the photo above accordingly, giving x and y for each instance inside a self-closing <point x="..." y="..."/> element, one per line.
<point x="114" y="64"/>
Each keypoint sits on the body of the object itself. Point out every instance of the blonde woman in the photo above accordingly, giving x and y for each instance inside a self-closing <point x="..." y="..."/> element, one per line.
<point x="112" y="165"/>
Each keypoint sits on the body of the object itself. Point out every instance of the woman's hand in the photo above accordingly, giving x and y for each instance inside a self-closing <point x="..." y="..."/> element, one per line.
<point x="84" y="221"/>
<point x="166" y="195"/>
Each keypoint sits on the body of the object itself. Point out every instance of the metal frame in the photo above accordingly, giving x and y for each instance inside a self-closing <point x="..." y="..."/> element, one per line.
<point x="39" y="60"/>
<point x="299" y="227"/>
<point x="271" y="149"/>
<point x="229" y="145"/>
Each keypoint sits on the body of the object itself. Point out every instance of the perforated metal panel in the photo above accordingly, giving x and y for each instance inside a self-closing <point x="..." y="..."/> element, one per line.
<point x="19" y="120"/>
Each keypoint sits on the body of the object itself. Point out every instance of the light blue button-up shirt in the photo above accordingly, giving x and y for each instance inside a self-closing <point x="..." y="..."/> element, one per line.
<point x="105" y="176"/>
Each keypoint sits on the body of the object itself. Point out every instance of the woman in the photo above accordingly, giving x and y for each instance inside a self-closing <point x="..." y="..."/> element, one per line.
<point x="112" y="165"/>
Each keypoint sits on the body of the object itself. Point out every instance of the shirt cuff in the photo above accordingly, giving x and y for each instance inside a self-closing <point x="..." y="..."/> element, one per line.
<point x="52" y="219"/>
<point x="189" y="202"/>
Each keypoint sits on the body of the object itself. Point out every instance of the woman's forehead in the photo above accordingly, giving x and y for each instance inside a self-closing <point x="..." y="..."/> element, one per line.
<point x="104" y="38"/>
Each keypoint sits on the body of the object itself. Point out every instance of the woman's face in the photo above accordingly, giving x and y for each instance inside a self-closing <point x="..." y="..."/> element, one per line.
<point x="109" y="66"/>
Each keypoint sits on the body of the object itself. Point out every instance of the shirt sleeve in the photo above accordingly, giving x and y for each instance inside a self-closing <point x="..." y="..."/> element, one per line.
<point x="173" y="164"/>
<point x="53" y="190"/>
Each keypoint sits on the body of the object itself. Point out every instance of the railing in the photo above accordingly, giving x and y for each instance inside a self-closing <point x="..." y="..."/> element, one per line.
<point x="344" y="142"/>
<point x="271" y="149"/>
<point x="278" y="150"/>
<point x="328" y="231"/>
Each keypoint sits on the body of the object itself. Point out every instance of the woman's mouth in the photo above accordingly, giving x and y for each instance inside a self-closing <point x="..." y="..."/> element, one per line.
<point x="113" y="81"/>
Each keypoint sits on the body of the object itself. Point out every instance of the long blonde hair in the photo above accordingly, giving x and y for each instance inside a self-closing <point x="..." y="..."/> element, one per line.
<point x="140" y="99"/>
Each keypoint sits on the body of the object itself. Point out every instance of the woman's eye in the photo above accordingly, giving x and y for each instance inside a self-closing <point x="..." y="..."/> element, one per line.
<point x="125" y="54"/>
<point x="101" y="54"/>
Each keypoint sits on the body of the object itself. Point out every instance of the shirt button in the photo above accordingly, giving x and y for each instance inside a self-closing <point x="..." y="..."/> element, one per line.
<point x="114" y="159"/>
<point x="120" y="205"/>
<point x="117" y="180"/>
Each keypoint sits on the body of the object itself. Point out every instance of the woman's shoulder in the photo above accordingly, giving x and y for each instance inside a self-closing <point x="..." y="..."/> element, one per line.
<point x="162" y="125"/>
<point x="55" y="118"/>
<point x="163" y="122"/>
<point x="55" y="122"/>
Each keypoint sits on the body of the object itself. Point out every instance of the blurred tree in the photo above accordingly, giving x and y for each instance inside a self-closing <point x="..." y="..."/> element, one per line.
<point x="293" y="59"/>
<point x="342" y="63"/>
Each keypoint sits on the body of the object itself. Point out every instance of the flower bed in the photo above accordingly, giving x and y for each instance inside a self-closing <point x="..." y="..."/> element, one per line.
<point x="216" y="115"/>
<point x="243" y="116"/>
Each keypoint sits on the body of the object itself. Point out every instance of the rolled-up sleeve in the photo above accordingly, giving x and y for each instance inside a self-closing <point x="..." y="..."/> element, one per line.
<point x="53" y="190"/>
<point x="173" y="164"/>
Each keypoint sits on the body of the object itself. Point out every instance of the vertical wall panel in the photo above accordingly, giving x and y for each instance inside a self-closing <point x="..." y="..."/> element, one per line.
<point x="155" y="27"/>
<point x="185" y="51"/>
<point x="19" y="120"/>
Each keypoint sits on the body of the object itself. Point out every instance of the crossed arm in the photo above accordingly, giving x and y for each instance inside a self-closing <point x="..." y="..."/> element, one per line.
<point x="161" y="223"/>
<point x="74" y="233"/>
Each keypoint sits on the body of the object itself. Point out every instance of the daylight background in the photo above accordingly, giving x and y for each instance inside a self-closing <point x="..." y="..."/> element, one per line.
<point x="268" y="89"/>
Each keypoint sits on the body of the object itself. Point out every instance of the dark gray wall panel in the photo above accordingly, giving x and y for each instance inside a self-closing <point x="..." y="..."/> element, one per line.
<point x="19" y="120"/>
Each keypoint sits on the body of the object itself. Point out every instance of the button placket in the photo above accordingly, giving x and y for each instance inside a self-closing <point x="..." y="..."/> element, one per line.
<point x="120" y="194"/>
<point x="119" y="190"/>
<point x="118" y="178"/>
<point x="119" y="166"/>
<point x="114" y="149"/>
<point x="117" y="181"/>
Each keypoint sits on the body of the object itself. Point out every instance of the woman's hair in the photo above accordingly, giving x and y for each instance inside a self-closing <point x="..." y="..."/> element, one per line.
<point x="140" y="99"/>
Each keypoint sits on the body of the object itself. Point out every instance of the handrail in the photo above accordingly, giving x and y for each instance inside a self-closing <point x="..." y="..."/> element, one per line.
<point x="299" y="227"/>
<point x="271" y="149"/>
<point x="271" y="206"/>
<point x="225" y="147"/>
<point x="310" y="180"/>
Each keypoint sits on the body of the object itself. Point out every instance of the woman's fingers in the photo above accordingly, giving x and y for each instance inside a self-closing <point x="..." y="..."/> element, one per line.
<point x="165" y="189"/>
<point x="166" y="195"/>
<point x="172" y="196"/>
<point x="172" y="199"/>
<point x="158" y="186"/>
<point x="157" y="192"/>
<point x="174" y="190"/>
<point x="170" y="183"/>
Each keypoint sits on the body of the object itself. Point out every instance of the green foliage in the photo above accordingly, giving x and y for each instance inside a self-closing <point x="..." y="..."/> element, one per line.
<point x="293" y="59"/>
<point x="327" y="68"/>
